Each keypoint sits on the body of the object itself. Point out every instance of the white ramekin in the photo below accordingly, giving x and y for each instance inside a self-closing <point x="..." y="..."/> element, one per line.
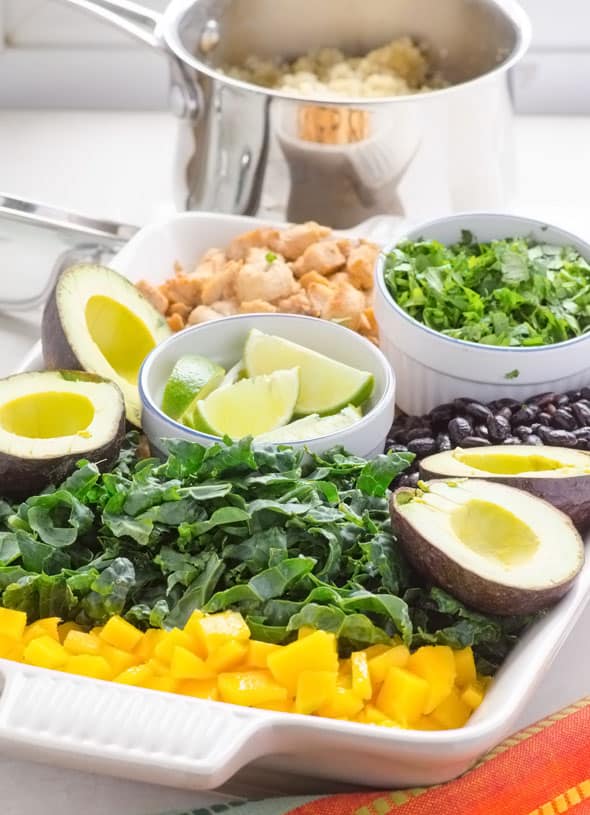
<point x="432" y="369"/>
<point x="223" y="341"/>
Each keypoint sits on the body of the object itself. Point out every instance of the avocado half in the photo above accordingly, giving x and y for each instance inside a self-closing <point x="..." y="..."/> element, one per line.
<point x="498" y="549"/>
<point x="96" y="320"/>
<point x="558" y="475"/>
<point x="49" y="420"/>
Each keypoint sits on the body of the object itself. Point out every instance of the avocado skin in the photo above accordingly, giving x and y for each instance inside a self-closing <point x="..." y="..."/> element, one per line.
<point x="57" y="351"/>
<point x="476" y="592"/>
<point x="570" y="494"/>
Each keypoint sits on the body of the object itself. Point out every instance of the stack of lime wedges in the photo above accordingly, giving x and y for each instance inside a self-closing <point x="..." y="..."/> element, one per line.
<point x="278" y="392"/>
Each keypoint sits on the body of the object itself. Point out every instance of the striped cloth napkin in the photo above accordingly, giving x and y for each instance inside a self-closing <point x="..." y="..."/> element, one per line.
<point x="542" y="770"/>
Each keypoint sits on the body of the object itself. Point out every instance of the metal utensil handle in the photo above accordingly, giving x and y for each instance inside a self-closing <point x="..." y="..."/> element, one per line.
<point x="130" y="17"/>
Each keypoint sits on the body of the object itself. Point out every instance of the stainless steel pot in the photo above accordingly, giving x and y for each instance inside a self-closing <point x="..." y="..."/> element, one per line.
<point x="448" y="149"/>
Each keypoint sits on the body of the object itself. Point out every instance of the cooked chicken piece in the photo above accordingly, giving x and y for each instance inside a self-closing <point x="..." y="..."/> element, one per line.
<point x="176" y="322"/>
<point x="346" y="245"/>
<point x="240" y="246"/>
<point x="320" y="296"/>
<point x="225" y="307"/>
<point x="221" y="285"/>
<point x="267" y="282"/>
<point x="257" y="307"/>
<point x="361" y="265"/>
<point x="213" y="259"/>
<point x="369" y="316"/>
<point x="182" y="289"/>
<point x="339" y="277"/>
<point x="180" y="308"/>
<point x="297" y="304"/>
<point x="346" y="306"/>
<point x="293" y="241"/>
<point x="313" y="277"/>
<point x="202" y="314"/>
<point x="324" y="257"/>
<point x="158" y="300"/>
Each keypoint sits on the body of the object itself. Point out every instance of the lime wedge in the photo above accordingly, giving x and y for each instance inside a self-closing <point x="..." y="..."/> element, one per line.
<point x="192" y="378"/>
<point x="250" y="406"/>
<point x="326" y="386"/>
<point x="312" y="427"/>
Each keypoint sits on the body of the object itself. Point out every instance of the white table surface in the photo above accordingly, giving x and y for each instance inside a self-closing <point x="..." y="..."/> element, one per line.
<point x="120" y="166"/>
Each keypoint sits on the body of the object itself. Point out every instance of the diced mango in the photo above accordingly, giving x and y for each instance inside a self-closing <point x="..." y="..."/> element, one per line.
<point x="314" y="689"/>
<point x="64" y="629"/>
<point x="121" y="634"/>
<point x="136" y="675"/>
<point x="453" y="712"/>
<point x="145" y="649"/>
<point x="305" y="631"/>
<point x="46" y="627"/>
<point x="77" y="642"/>
<point x="343" y="704"/>
<point x="162" y="683"/>
<point x="171" y="639"/>
<point x="396" y="657"/>
<point x="215" y="630"/>
<point x="280" y="707"/>
<point x="403" y="696"/>
<point x="45" y="652"/>
<point x="86" y="665"/>
<point x="118" y="660"/>
<point x="252" y="688"/>
<point x="425" y="723"/>
<point x="157" y="667"/>
<point x="259" y="652"/>
<point x="435" y="664"/>
<point x="12" y="623"/>
<point x="373" y="715"/>
<point x="229" y="655"/>
<point x="186" y="665"/>
<point x="472" y="696"/>
<point x="11" y="648"/>
<point x="376" y="650"/>
<point x="317" y="652"/>
<point x="361" y="681"/>
<point x="201" y="688"/>
<point x="465" y="667"/>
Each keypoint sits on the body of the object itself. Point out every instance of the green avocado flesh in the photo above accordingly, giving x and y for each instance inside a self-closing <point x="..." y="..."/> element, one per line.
<point x="494" y="532"/>
<point x="47" y="415"/>
<point x="123" y="339"/>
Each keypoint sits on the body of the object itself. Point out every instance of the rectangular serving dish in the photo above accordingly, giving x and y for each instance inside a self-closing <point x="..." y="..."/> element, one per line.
<point x="186" y="742"/>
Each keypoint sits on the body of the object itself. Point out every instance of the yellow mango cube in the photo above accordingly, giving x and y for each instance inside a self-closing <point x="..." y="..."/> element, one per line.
<point x="280" y="707"/>
<point x="11" y="648"/>
<point x="317" y="652"/>
<point x="435" y="664"/>
<point x="426" y="723"/>
<point x="121" y="634"/>
<point x="465" y="667"/>
<point x="453" y="712"/>
<point x="77" y="642"/>
<point x="162" y="683"/>
<point x="373" y="715"/>
<point x="403" y="696"/>
<point x="86" y="665"/>
<point x="343" y="704"/>
<point x="64" y="629"/>
<point x="214" y="630"/>
<point x="136" y="675"/>
<point x="118" y="660"/>
<point x="251" y="688"/>
<point x="314" y="689"/>
<point x="186" y="665"/>
<point x="46" y="627"/>
<point x="12" y="623"/>
<point x="376" y="650"/>
<point x="145" y="648"/>
<point x="305" y="631"/>
<point x="361" y="680"/>
<point x="45" y="652"/>
<point x="229" y="655"/>
<point x="396" y="657"/>
<point x="472" y="696"/>
<point x="259" y="652"/>
<point x="200" y="688"/>
<point x="157" y="667"/>
<point x="171" y="639"/>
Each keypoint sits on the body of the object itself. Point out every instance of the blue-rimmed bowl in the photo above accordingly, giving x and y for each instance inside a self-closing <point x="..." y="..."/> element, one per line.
<point x="223" y="342"/>
<point x="432" y="368"/>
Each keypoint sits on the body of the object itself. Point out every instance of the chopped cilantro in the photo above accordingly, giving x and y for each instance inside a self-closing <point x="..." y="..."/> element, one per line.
<point x="271" y="257"/>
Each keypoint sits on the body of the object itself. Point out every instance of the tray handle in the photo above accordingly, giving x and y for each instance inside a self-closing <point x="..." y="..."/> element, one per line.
<point x="103" y="726"/>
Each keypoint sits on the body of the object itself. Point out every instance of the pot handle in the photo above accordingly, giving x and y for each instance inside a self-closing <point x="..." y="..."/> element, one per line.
<point x="132" y="18"/>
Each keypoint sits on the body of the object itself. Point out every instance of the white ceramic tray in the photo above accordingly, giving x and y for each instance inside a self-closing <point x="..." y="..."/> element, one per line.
<point x="192" y="743"/>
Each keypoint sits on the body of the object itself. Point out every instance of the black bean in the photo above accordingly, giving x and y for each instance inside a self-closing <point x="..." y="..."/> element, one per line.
<point x="585" y="393"/>
<point x="481" y="430"/>
<point x="532" y="439"/>
<point x="557" y="438"/>
<point x="512" y="440"/>
<point x="423" y="446"/>
<point x="440" y="416"/>
<point x="417" y="433"/>
<point x="535" y="426"/>
<point x="513" y="404"/>
<point x="443" y="442"/>
<point x="582" y="433"/>
<point x="581" y="411"/>
<point x="474" y="441"/>
<point x="522" y="431"/>
<point x="573" y="396"/>
<point x="544" y="418"/>
<point x="564" y="420"/>
<point x="403" y="481"/>
<point x="459" y="428"/>
<point x="413" y="479"/>
<point x="563" y="400"/>
<point x="525" y="415"/>
<point x="498" y="427"/>
<point x="551" y="410"/>
<point x="544" y="399"/>
<point x="461" y="404"/>
<point x="505" y="412"/>
<point x="398" y="448"/>
<point x="478" y="411"/>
